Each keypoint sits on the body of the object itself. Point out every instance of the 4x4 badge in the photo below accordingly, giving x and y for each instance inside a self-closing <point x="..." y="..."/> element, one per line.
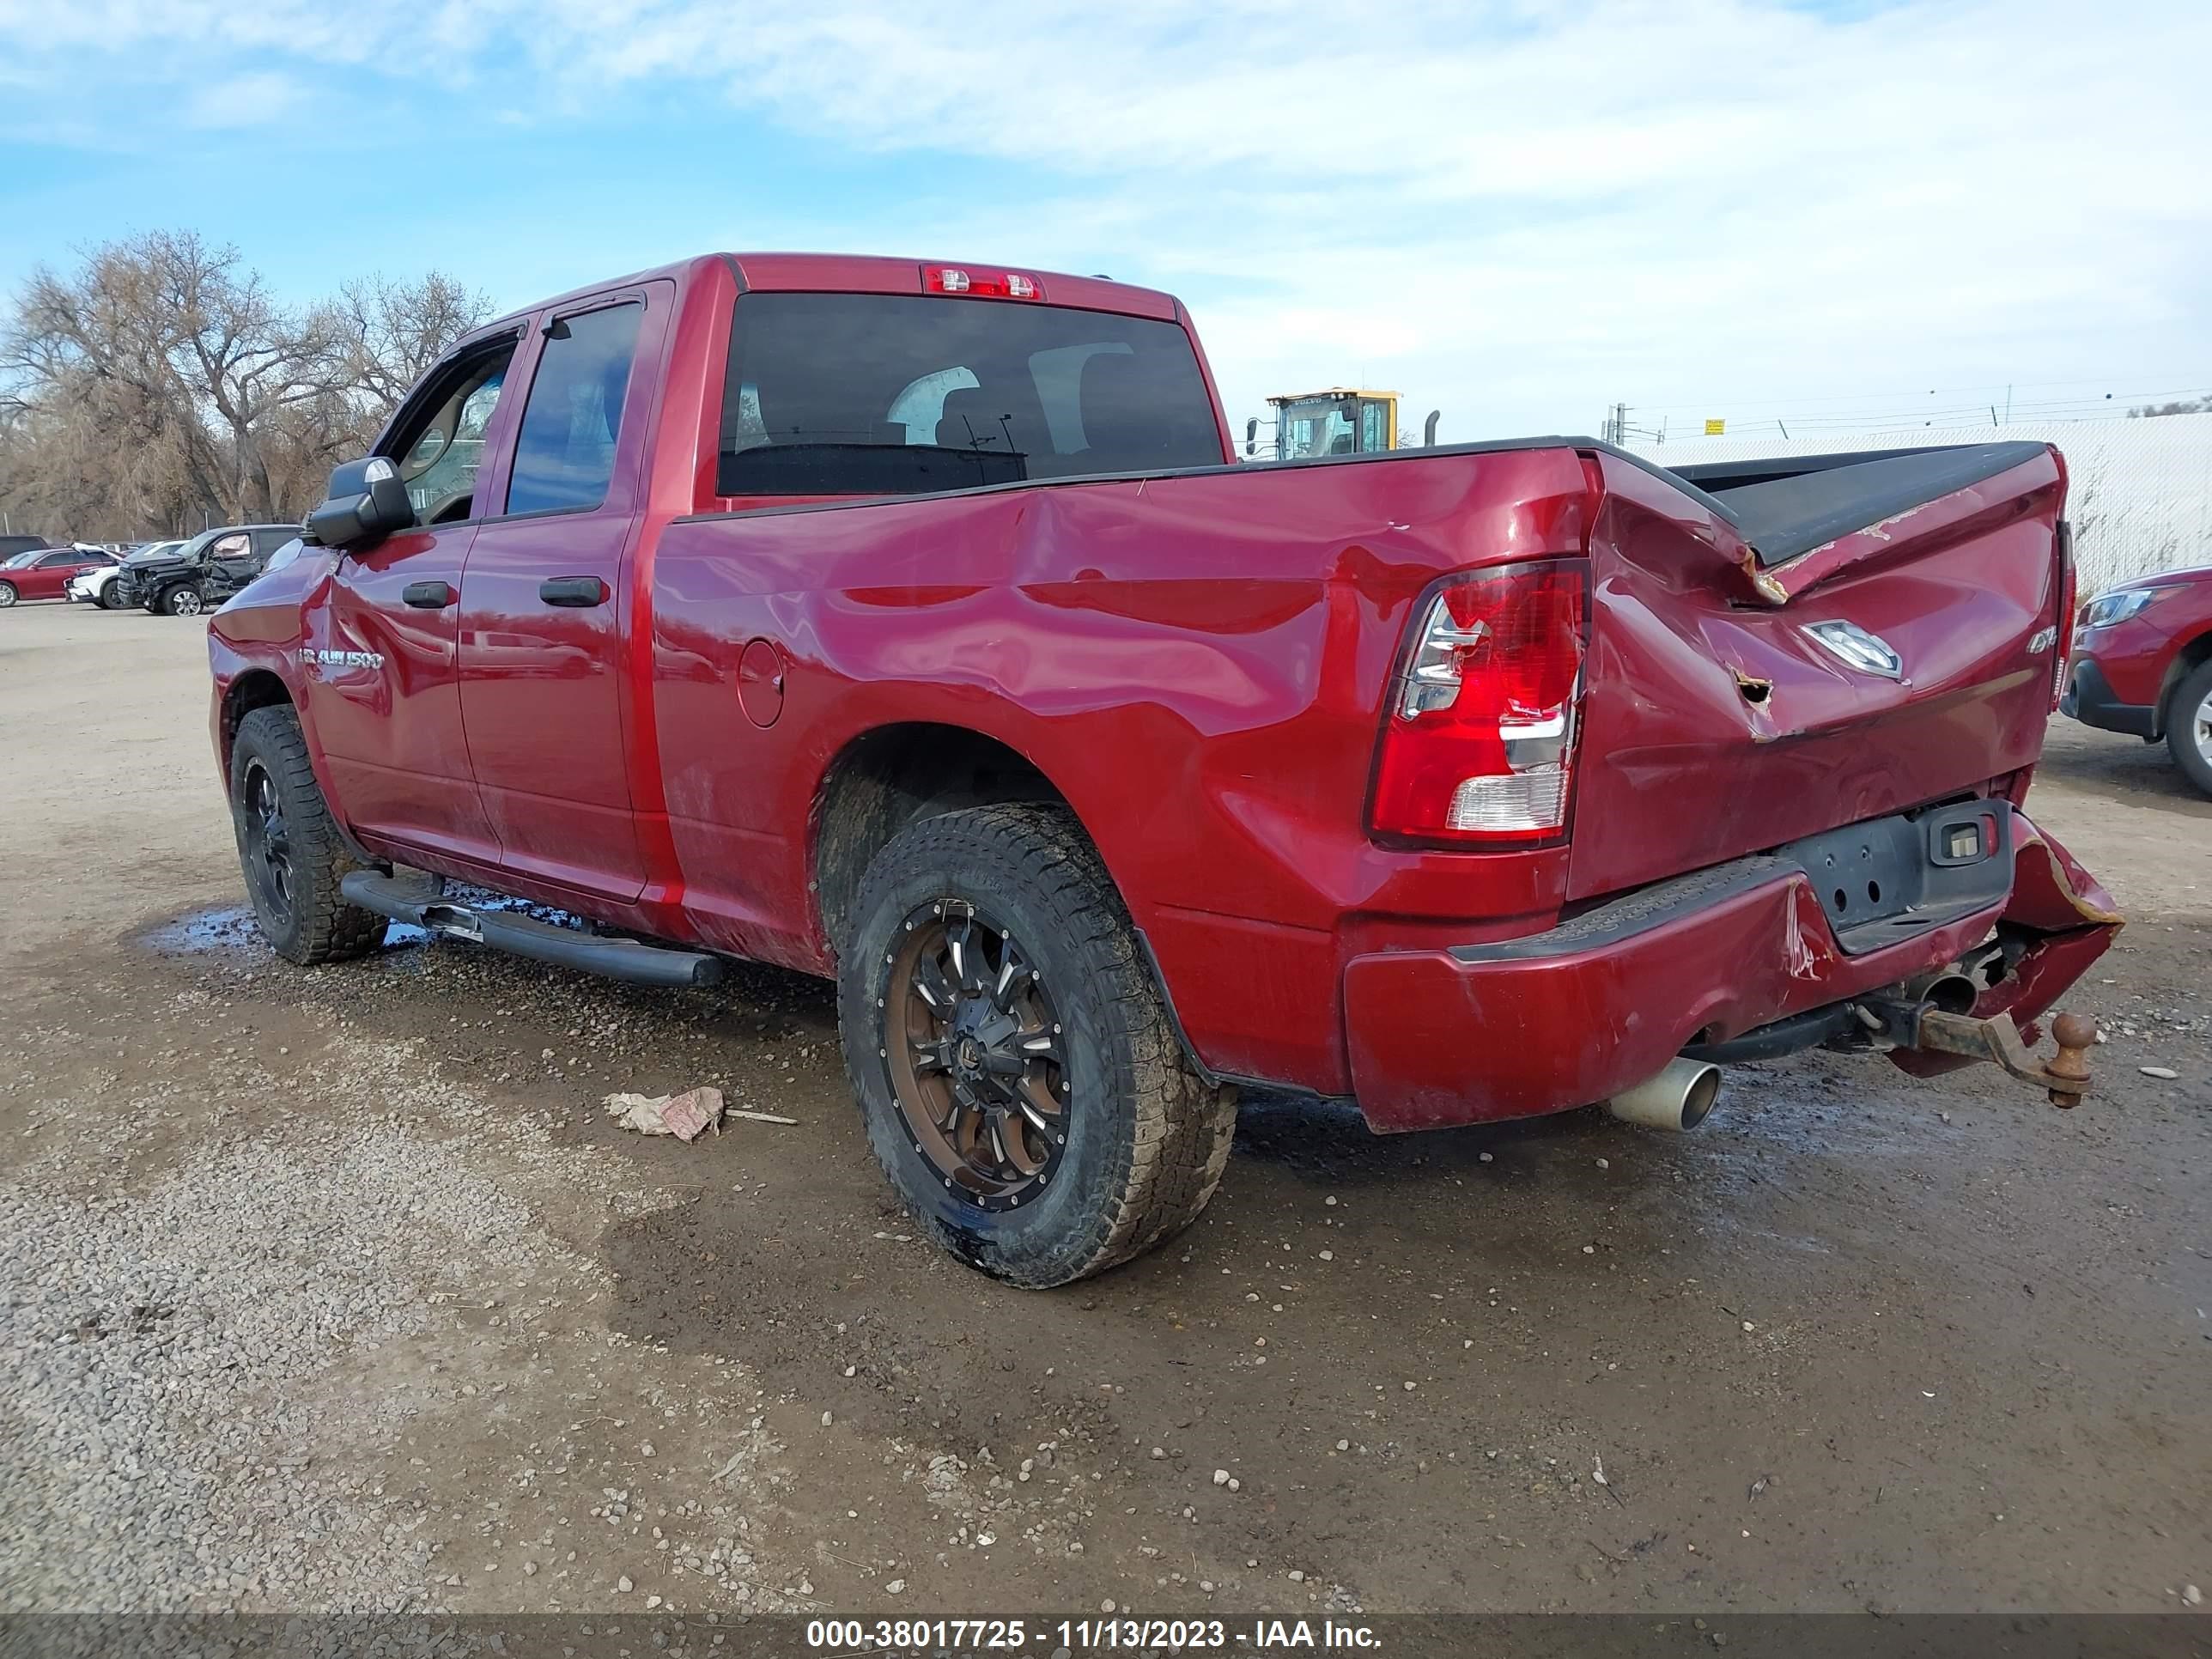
<point x="1855" y="647"/>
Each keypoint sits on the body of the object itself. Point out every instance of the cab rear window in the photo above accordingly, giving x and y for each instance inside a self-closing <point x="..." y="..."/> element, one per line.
<point x="837" y="394"/>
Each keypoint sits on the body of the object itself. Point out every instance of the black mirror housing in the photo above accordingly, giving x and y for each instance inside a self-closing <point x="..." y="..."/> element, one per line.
<point x="367" y="501"/>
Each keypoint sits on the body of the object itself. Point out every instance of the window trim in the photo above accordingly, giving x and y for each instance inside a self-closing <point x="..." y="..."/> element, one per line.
<point x="720" y="407"/>
<point x="515" y="334"/>
<point x="541" y="332"/>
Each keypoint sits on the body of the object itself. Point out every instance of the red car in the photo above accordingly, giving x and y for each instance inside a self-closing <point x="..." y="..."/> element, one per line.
<point x="42" y="573"/>
<point x="2142" y="664"/>
<point x="911" y="624"/>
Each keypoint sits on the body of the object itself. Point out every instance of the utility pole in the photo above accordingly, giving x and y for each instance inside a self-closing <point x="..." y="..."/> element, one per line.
<point x="1616" y="424"/>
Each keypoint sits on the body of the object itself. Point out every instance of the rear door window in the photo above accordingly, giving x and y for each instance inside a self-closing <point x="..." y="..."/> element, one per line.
<point x="866" y="394"/>
<point x="564" y="455"/>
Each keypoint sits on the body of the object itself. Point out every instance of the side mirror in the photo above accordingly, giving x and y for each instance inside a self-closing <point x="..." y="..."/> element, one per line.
<point x="367" y="501"/>
<point x="1251" y="434"/>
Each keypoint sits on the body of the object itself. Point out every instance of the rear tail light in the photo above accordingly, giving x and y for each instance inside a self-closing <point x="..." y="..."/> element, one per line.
<point x="1478" y="740"/>
<point x="2068" y="592"/>
<point x="990" y="284"/>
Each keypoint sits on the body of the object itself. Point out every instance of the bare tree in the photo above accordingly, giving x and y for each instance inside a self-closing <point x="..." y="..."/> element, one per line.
<point x="393" y="331"/>
<point x="161" y="385"/>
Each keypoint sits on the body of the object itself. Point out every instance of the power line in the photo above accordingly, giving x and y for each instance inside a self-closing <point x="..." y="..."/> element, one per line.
<point x="1980" y="394"/>
<point x="1947" y="417"/>
<point x="2118" y="403"/>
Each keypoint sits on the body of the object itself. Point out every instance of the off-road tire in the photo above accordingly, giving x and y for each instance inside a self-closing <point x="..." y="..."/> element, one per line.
<point x="1148" y="1138"/>
<point x="2182" y="739"/>
<point x="172" y="601"/>
<point x="321" y="926"/>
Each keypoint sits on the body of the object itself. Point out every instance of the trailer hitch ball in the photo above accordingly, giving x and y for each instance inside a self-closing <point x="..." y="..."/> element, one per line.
<point x="2075" y="1035"/>
<point x="2065" y="1078"/>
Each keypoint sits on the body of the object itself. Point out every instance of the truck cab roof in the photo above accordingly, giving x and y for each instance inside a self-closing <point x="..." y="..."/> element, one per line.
<point x="855" y="273"/>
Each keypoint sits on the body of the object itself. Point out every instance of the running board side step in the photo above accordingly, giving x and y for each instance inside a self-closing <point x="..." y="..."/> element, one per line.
<point x="628" y="959"/>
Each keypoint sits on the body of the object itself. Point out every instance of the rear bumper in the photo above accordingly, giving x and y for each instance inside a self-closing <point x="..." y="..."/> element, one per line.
<point x="1480" y="1034"/>
<point x="2091" y="700"/>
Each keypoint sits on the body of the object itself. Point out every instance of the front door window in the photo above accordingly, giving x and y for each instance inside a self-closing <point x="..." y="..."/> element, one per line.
<point x="441" y="444"/>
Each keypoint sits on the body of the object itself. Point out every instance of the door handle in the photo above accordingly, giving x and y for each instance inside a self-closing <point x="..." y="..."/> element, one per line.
<point x="428" y="596"/>
<point x="579" y="592"/>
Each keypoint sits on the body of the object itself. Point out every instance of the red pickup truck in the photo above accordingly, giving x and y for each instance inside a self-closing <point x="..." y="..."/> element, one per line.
<point x="913" y="624"/>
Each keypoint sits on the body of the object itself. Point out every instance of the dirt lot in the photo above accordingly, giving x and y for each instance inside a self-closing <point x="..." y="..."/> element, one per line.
<point x="334" y="1288"/>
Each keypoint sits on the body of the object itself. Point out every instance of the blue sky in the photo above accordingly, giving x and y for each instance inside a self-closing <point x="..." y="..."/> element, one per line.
<point x="1516" y="213"/>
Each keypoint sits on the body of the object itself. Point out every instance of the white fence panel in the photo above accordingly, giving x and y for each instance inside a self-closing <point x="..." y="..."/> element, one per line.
<point x="2139" y="496"/>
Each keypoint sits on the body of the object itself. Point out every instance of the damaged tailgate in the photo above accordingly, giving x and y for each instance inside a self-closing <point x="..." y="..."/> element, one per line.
<point x="1783" y="647"/>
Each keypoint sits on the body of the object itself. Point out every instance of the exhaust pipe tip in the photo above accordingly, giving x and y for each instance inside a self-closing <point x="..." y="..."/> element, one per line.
<point x="1681" y="1096"/>
<point x="1949" y="994"/>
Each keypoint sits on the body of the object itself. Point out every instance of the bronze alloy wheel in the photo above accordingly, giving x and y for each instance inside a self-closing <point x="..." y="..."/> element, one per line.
<point x="974" y="1051"/>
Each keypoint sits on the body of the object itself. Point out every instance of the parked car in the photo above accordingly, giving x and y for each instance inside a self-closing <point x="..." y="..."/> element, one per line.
<point x="42" y="573"/>
<point x="2142" y="664"/>
<point x="912" y="625"/>
<point x="96" y="586"/>
<point x="203" y="573"/>
<point x="11" y="545"/>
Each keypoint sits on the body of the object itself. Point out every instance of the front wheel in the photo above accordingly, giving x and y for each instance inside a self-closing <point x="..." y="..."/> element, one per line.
<point x="7" y="595"/>
<point x="105" y="597"/>
<point x="2189" y="726"/>
<point x="184" y="600"/>
<point x="288" y="846"/>
<point x="1023" y="1085"/>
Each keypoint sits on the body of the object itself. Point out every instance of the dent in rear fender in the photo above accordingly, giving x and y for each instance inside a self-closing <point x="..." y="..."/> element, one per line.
<point x="1197" y="662"/>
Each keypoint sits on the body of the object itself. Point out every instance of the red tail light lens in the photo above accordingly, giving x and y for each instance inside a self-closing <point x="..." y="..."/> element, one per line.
<point x="1478" y="741"/>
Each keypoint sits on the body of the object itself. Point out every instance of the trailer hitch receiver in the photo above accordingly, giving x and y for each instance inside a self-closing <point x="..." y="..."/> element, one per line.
<point x="2065" y="1078"/>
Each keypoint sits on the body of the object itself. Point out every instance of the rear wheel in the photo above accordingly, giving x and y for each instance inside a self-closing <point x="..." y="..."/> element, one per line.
<point x="183" y="600"/>
<point x="288" y="846"/>
<point x="2189" y="726"/>
<point x="1024" y="1087"/>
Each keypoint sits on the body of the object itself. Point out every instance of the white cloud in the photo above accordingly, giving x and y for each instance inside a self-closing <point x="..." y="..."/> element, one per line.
<point x="1519" y="212"/>
<point x="243" y="100"/>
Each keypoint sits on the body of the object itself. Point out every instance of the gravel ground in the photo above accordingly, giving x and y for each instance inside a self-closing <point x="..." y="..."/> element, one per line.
<point x="334" y="1289"/>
